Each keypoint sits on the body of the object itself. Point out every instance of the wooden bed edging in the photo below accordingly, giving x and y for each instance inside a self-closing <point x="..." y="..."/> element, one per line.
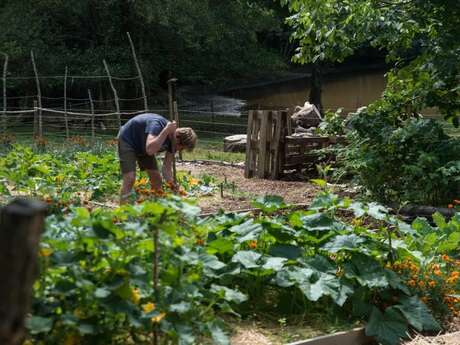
<point x="354" y="337"/>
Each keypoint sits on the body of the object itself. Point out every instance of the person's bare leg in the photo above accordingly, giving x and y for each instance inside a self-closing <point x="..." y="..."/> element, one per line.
<point x="128" y="180"/>
<point x="155" y="179"/>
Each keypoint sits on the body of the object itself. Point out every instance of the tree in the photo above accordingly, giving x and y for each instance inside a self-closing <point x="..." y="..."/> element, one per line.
<point x="419" y="37"/>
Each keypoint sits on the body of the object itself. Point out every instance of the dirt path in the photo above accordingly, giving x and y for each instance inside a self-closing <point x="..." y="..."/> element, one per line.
<point x="245" y="189"/>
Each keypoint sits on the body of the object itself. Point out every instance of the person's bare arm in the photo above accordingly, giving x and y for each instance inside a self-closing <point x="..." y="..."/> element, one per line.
<point x="154" y="142"/>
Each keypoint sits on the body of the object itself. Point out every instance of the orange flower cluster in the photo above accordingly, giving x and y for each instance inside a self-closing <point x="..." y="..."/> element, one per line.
<point x="40" y="141"/>
<point x="437" y="282"/>
<point x="7" y="138"/>
<point x="77" y="140"/>
<point x="253" y="244"/>
<point x="112" y="142"/>
<point x="455" y="203"/>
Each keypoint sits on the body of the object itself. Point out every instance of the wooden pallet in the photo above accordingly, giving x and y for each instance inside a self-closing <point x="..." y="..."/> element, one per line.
<point x="266" y="134"/>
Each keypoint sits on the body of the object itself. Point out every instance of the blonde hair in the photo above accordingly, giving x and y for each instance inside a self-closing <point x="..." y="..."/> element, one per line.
<point x="187" y="138"/>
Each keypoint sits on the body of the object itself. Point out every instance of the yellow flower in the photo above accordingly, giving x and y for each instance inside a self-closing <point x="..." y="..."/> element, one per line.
<point x="158" y="318"/>
<point x="431" y="283"/>
<point x="135" y="295"/>
<point x="45" y="252"/>
<point x="421" y="284"/>
<point x="78" y="313"/>
<point x="193" y="181"/>
<point x="148" y="307"/>
<point x="412" y="282"/>
<point x="437" y="272"/>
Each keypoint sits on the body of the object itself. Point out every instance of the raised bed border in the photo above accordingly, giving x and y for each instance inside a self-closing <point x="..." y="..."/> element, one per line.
<point x="355" y="336"/>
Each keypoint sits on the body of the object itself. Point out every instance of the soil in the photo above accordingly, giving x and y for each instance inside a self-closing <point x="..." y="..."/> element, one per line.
<point x="293" y="192"/>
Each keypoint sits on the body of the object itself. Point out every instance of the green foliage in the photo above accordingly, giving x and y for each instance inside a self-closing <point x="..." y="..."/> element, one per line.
<point x="419" y="37"/>
<point x="400" y="160"/>
<point x="196" y="40"/>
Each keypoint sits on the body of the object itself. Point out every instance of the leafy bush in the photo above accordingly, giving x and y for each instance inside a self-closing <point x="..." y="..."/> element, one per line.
<point x="403" y="160"/>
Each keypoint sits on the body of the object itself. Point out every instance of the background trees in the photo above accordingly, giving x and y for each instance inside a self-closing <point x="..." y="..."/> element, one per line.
<point x="199" y="40"/>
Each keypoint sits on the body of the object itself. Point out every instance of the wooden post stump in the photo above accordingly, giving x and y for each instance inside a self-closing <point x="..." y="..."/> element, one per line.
<point x="21" y="225"/>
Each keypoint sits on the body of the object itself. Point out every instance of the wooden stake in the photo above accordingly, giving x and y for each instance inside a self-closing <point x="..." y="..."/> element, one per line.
<point x="39" y="96"/>
<point x="5" y="68"/>
<point x="21" y="225"/>
<point x="133" y="50"/>
<point x="91" y="103"/>
<point x="156" y="276"/>
<point x="115" y="93"/>
<point x="35" y="118"/>
<point x="65" y="104"/>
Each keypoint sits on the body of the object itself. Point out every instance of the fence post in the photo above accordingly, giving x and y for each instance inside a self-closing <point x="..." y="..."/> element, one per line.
<point x="5" y="68"/>
<point x="212" y="117"/>
<point x="35" y="118"/>
<point x="92" y="115"/>
<point x="65" y="104"/>
<point x="21" y="224"/>
<point x="115" y="93"/>
<point x="133" y="50"/>
<point x="39" y="95"/>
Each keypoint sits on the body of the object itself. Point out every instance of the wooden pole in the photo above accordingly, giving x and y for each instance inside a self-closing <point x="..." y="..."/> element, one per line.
<point x="156" y="276"/>
<point x="212" y="116"/>
<point x="65" y="104"/>
<point x="171" y="97"/>
<point x="115" y="93"/>
<point x="21" y="225"/>
<point x="35" y="118"/>
<point x="133" y="50"/>
<point x="5" y="68"/>
<point x="91" y="104"/>
<point x="39" y="96"/>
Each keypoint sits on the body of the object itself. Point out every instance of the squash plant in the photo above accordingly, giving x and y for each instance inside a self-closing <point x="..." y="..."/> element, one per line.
<point x="96" y="283"/>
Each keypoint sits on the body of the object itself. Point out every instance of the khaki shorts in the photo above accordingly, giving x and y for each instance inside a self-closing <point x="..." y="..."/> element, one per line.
<point x="128" y="158"/>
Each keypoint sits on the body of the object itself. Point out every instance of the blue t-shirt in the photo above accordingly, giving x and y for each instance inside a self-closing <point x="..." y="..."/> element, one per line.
<point x="135" y="131"/>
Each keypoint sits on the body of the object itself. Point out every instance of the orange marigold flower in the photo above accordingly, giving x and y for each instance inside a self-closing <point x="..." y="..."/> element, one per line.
<point x="412" y="282"/>
<point x="200" y="242"/>
<point x="437" y="272"/>
<point x="450" y="206"/>
<point x="445" y="257"/>
<point x="431" y="283"/>
<point x="253" y="244"/>
<point x="421" y="284"/>
<point x="455" y="274"/>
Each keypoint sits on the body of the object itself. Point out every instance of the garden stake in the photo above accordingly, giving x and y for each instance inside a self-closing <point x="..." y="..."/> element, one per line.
<point x="156" y="260"/>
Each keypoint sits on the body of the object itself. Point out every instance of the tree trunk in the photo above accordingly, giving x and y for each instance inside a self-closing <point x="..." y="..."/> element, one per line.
<point x="21" y="224"/>
<point x="316" y="87"/>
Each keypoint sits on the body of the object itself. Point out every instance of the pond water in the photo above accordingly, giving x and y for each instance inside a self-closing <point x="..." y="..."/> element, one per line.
<point x="347" y="90"/>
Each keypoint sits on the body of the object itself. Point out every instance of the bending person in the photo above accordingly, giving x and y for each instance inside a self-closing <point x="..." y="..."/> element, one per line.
<point x="140" y="139"/>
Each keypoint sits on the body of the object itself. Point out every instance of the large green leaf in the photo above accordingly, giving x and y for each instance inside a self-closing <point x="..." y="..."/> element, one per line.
<point x="230" y="295"/>
<point x="247" y="258"/>
<point x="344" y="242"/>
<point x="366" y="271"/>
<point x="218" y="334"/>
<point x="269" y="203"/>
<point x="247" y="231"/>
<point x="273" y="263"/>
<point x="388" y="327"/>
<point x="418" y="314"/>
<point x="287" y="251"/>
<point x="38" y="324"/>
